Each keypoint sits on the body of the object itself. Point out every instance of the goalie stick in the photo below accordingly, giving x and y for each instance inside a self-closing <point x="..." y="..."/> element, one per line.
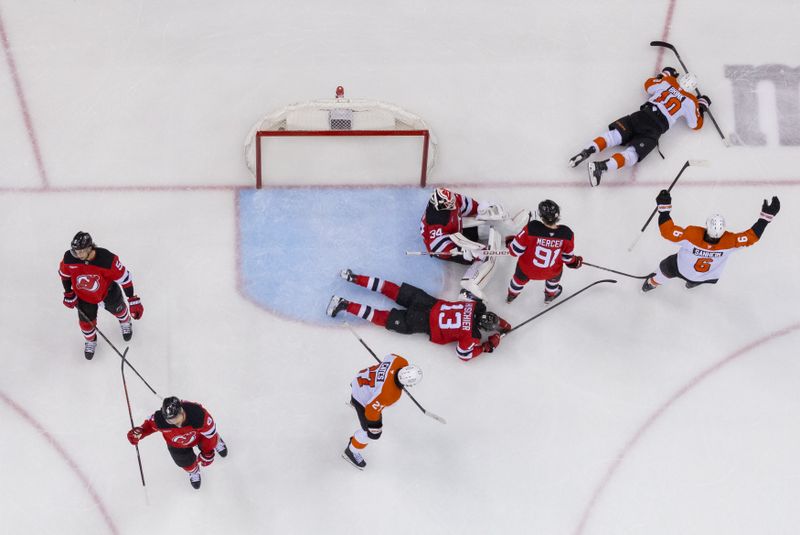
<point x="665" y="44"/>
<point x="479" y="252"/>
<point x="371" y="352"/>
<point x="556" y="305"/>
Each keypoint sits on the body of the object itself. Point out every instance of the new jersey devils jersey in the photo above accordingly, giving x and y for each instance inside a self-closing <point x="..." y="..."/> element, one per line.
<point x="375" y="387"/>
<point x="542" y="251"/>
<point x="673" y="102"/>
<point x="198" y="429"/>
<point x="455" y="321"/>
<point x="699" y="260"/>
<point x="437" y="225"/>
<point x="90" y="279"/>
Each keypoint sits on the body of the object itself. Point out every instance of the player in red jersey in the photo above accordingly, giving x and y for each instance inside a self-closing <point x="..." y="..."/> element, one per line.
<point x="443" y="321"/>
<point x="91" y="275"/>
<point x="543" y="248"/>
<point x="670" y="99"/>
<point x="184" y="425"/>
<point x="374" y="389"/>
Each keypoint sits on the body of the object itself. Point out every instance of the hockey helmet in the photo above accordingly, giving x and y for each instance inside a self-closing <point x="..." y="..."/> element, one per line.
<point x="488" y="321"/>
<point x="687" y="81"/>
<point x="82" y="240"/>
<point x="715" y="226"/>
<point x="549" y="212"/>
<point x="171" y="408"/>
<point x="443" y="199"/>
<point x="409" y="375"/>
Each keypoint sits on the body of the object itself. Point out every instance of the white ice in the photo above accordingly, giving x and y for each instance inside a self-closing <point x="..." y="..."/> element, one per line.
<point x="618" y="413"/>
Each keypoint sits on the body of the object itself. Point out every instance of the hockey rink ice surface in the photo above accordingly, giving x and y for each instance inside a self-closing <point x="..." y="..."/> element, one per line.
<point x="618" y="413"/>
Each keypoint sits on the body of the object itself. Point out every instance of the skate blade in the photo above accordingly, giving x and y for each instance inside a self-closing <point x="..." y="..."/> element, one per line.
<point x="347" y="459"/>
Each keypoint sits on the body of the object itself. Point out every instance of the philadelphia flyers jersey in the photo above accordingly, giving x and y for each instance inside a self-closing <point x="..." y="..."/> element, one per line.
<point x="375" y="387"/>
<point x="197" y="430"/>
<point x="542" y="251"/>
<point x="673" y="102"/>
<point x="90" y="279"/>
<point x="437" y="225"/>
<point x="699" y="260"/>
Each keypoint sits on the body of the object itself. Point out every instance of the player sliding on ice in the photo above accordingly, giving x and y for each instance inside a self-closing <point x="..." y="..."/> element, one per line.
<point x="443" y="321"/>
<point x="671" y="99"/>
<point x="703" y="251"/>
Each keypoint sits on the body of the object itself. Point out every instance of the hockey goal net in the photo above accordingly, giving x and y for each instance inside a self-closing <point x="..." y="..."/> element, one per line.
<point x="340" y="141"/>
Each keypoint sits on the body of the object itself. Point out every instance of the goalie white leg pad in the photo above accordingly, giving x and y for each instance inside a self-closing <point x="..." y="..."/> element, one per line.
<point x="520" y="220"/>
<point x="479" y="274"/>
<point x="465" y="243"/>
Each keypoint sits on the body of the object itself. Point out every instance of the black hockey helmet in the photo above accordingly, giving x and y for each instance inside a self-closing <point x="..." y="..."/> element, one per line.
<point x="171" y="407"/>
<point x="82" y="240"/>
<point x="488" y="321"/>
<point x="549" y="212"/>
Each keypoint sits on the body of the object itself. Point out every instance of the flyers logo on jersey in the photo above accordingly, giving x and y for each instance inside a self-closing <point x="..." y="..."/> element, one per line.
<point x="87" y="283"/>
<point x="184" y="439"/>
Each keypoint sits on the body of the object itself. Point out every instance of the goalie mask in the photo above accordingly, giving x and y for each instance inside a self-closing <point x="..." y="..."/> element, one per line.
<point x="549" y="212"/>
<point x="443" y="199"/>
<point x="488" y="321"/>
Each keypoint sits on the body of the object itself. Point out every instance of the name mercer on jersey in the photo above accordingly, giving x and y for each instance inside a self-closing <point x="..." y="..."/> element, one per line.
<point x="548" y="242"/>
<point x="706" y="254"/>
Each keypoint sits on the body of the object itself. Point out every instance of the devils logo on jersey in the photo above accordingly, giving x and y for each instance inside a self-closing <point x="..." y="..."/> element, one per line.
<point x="87" y="283"/>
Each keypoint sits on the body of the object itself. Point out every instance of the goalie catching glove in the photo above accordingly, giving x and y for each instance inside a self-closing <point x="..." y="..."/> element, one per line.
<point x="491" y="212"/>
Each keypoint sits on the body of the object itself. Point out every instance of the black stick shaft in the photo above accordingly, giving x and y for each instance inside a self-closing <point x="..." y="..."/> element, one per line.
<point x="86" y="318"/>
<point x="686" y="69"/>
<point x="550" y="309"/>
<point x="617" y="272"/>
<point x="130" y="413"/>
<point x="668" y="189"/>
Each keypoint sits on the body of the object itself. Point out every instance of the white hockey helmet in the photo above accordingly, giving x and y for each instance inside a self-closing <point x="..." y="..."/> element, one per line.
<point x="715" y="226"/>
<point x="409" y="375"/>
<point x="687" y="81"/>
<point x="443" y="199"/>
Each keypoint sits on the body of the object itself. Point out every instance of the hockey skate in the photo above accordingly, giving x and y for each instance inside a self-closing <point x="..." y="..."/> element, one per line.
<point x="579" y="158"/>
<point x="354" y="458"/>
<point x="647" y="286"/>
<point x="194" y="478"/>
<point x="88" y="349"/>
<point x="596" y="170"/>
<point x="221" y="448"/>
<point x="336" y="305"/>
<point x="690" y="284"/>
<point x="347" y="274"/>
<point x="510" y="297"/>
<point x="549" y="298"/>
<point x="127" y="330"/>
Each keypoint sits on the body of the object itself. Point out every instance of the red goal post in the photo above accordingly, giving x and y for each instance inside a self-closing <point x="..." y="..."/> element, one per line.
<point x="343" y="118"/>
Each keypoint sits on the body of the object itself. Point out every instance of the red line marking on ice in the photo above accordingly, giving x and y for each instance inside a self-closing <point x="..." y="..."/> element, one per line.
<point x="661" y="410"/>
<point x="98" y="502"/>
<point x="12" y="66"/>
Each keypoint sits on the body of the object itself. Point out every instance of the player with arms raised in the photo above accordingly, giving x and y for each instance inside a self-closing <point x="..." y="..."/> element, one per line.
<point x="671" y="98"/>
<point x="703" y="252"/>
<point x="443" y="321"/>
<point x="374" y="389"/>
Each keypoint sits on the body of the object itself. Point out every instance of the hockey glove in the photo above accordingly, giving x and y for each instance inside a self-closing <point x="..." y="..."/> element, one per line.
<point x="135" y="435"/>
<point x="489" y="345"/>
<point x="669" y="71"/>
<point x="70" y="299"/>
<point x="504" y="326"/>
<point x="704" y="101"/>
<point x="575" y="263"/>
<point x="771" y="209"/>
<point x="206" y="457"/>
<point x="664" y="201"/>
<point x="135" y="307"/>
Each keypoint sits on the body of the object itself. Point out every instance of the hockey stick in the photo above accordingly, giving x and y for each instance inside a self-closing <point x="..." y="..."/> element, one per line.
<point x="556" y="305"/>
<point x="130" y="414"/>
<point x="617" y="272"/>
<point x="480" y="252"/>
<point x="664" y="44"/>
<point x="124" y="361"/>
<point x="695" y="163"/>
<point x="371" y="352"/>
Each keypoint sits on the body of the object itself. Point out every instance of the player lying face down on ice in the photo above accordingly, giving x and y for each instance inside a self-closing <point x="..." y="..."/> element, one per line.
<point x="443" y="321"/>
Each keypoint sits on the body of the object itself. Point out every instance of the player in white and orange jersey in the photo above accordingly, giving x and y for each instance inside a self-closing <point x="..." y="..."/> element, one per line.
<point x="671" y="98"/>
<point x="374" y="389"/>
<point x="703" y="252"/>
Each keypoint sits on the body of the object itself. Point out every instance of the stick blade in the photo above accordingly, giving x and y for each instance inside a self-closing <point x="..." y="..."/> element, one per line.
<point x="699" y="163"/>
<point x="435" y="417"/>
<point x="662" y="43"/>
